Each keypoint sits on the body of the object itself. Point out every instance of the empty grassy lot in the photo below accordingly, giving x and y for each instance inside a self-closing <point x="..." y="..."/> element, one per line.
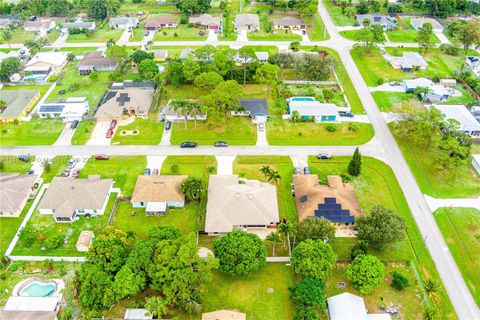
<point x="102" y="34"/>
<point x="57" y="166"/>
<point x="150" y="132"/>
<point x="389" y="101"/>
<point x="180" y="33"/>
<point x="31" y="133"/>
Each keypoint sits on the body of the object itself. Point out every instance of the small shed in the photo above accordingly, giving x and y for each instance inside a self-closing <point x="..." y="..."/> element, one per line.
<point x="85" y="240"/>
<point x="448" y="82"/>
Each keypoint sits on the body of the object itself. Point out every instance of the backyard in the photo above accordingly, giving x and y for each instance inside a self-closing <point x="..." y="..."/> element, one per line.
<point x="31" y="133"/>
<point x="149" y="132"/>
<point x="9" y="226"/>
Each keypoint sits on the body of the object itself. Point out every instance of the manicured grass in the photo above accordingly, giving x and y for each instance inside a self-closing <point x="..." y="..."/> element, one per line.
<point x="390" y="101"/>
<point x="102" y="34"/>
<point x="138" y="33"/>
<point x="83" y="132"/>
<point x="275" y="35"/>
<point x="180" y="33"/>
<point x="128" y="7"/>
<point x="272" y="50"/>
<point x="236" y="131"/>
<point x="285" y="132"/>
<point x="336" y="14"/>
<point x="196" y="166"/>
<point x="409" y="35"/>
<point x="78" y="51"/>
<point x="57" y="166"/>
<point x="185" y="219"/>
<point x="461" y="229"/>
<point x="19" y="36"/>
<point x="316" y="31"/>
<point x="46" y="225"/>
<point x="41" y="88"/>
<point x="31" y="133"/>
<point x="12" y="164"/>
<point x="150" y="132"/>
<point x="124" y="170"/>
<point x="458" y="182"/>
<point x="9" y="226"/>
<point x="250" y="295"/>
<point x="249" y="166"/>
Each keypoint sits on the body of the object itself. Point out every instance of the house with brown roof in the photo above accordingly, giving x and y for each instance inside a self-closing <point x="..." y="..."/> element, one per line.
<point x="157" y="23"/>
<point x="290" y="23"/>
<point x="67" y="199"/>
<point x="224" y="315"/>
<point x="206" y="21"/>
<point x="95" y="61"/>
<point x="41" y="26"/>
<point x="240" y="205"/>
<point x="157" y="193"/>
<point x="336" y="201"/>
<point x="15" y="190"/>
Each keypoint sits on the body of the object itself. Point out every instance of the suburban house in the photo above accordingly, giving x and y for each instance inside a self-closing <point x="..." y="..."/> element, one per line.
<point x="137" y="314"/>
<point x="254" y="108"/>
<point x="417" y="23"/>
<point x="157" y="193"/>
<point x="25" y="307"/>
<point x="240" y="205"/>
<point x="95" y="61"/>
<point x="262" y="56"/>
<point x="71" y="109"/>
<point x="168" y="113"/>
<point x="206" y="21"/>
<point x="123" y="22"/>
<point x="476" y="162"/>
<point x="9" y="54"/>
<point x="308" y="109"/>
<point x="156" y="23"/>
<point x="9" y="19"/>
<point x="290" y="23"/>
<point x="247" y="22"/>
<point x="451" y="83"/>
<point x="411" y="85"/>
<point x="410" y="61"/>
<point x="473" y="64"/>
<point x="15" y="190"/>
<point x="19" y="103"/>
<point x="336" y="201"/>
<point x="385" y="21"/>
<point x="224" y="315"/>
<point x="41" y="26"/>
<point x="44" y="63"/>
<point x="467" y="122"/>
<point x="78" y="25"/>
<point x="126" y="99"/>
<point x="159" y="55"/>
<point x="84" y="241"/>
<point x="347" y="306"/>
<point x="67" y="199"/>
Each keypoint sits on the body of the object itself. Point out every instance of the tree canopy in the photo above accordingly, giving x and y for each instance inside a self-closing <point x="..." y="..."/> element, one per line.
<point x="193" y="188"/>
<point x="313" y="228"/>
<point x="313" y="258"/>
<point x="366" y="273"/>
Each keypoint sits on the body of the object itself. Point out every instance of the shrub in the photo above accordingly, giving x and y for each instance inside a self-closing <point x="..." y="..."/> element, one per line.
<point x="380" y="81"/>
<point x="399" y="281"/>
<point x="328" y="94"/>
<point x="93" y="76"/>
<point x="365" y="272"/>
<point x="3" y="276"/>
<point x="174" y="168"/>
<point x="352" y="127"/>
<point x="53" y="243"/>
<point x="73" y="86"/>
<point x="331" y="128"/>
<point x="361" y="247"/>
<point x="201" y="33"/>
<point x="175" y="34"/>
<point x="164" y="33"/>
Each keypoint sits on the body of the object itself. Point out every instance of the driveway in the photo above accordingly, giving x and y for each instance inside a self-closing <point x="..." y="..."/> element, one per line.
<point x="150" y="36"/>
<point x="434" y="204"/>
<point x="387" y="87"/>
<point x="212" y="36"/>
<point x="262" y="135"/>
<point x="65" y="137"/>
<point x="300" y="33"/>
<point x="99" y="134"/>
<point x="441" y="36"/>
<point x="225" y="164"/>
<point x="242" y="36"/>
<point x="166" y="136"/>
<point x="125" y="37"/>
<point x="155" y="162"/>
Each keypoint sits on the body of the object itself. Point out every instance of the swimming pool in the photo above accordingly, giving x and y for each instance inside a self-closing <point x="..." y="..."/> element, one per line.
<point x="302" y="99"/>
<point x="38" y="289"/>
<point x="35" y="79"/>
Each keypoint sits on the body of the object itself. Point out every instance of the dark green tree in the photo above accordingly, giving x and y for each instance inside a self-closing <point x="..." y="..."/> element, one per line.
<point x="313" y="258"/>
<point x="355" y="165"/>
<point x="193" y="188"/>
<point x="309" y="292"/>
<point x="313" y="228"/>
<point x="366" y="273"/>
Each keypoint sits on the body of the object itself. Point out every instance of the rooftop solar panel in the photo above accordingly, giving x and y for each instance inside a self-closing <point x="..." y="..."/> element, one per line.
<point x="51" y="108"/>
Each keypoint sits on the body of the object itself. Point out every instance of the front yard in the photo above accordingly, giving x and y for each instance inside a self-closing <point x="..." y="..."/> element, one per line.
<point x="12" y="164"/>
<point x="83" y="132"/>
<point x="57" y="166"/>
<point x="180" y="33"/>
<point x="149" y="132"/>
<point x="31" y="133"/>
<point x="196" y="166"/>
<point x="285" y="132"/>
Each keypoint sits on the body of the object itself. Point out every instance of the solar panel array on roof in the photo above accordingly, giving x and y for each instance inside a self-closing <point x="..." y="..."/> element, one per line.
<point x="333" y="211"/>
<point x="122" y="98"/>
<point x="51" y="108"/>
<point x="303" y="198"/>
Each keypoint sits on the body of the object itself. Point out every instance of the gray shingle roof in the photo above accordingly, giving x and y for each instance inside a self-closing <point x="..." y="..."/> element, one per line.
<point x="17" y="101"/>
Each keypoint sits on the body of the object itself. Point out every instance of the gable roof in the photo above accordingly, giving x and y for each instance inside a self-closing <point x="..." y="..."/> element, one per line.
<point x="255" y="106"/>
<point x="38" y="23"/>
<point x="288" y="21"/>
<point x="312" y="108"/>
<point x="205" y="19"/>
<point x="14" y="189"/>
<point x="158" y="189"/>
<point x="409" y="60"/>
<point x="157" y="21"/>
<point x="79" y="25"/>
<point x="131" y="97"/>
<point x="461" y="114"/>
<point x="96" y="59"/>
<point x="247" y="19"/>
<point x="123" y="20"/>
<point x="17" y="101"/>
<point x="232" y="204"/>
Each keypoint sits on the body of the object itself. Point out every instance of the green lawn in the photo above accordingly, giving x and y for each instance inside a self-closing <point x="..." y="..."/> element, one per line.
<point x="457" y="182"/>
<point x="461" y="229"/>
<point x="336" y="14"/>
<point x="250" y="295"/>
<point x="390" y="101"/>
<point x="57" y="167"/>
<point x="20" y="36"/>
<point x="102" y="34"/>
<point x="196" y="166"/>
<point x="138" y="33"/>
<point x="399" y="35"/>
<point x="124" y="170"/>
<point x="249" y="166"/>
<point x="285" y="132"/>
<point x="31" y="133"/>
<point x="173" y="51"/>
<point x="9" y="226"/>
<point x="236" y="131"/>
<point x="41" y="88"/>
<point x="272" y="50"/>
<point x="180" y="33"/>
<point x="150" y="132"/>
<point x="129" y="7"/>
<point x="80" y="51"/>
<point x="83" y="132"/>
<point x="12" y="164"/>
<point x="316" y="31"/>
<point x="275" y="35"/>
<point x="46" y="225"/>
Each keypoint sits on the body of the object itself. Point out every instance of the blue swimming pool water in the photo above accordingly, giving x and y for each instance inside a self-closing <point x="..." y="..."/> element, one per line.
<point x="302" y="99"/>
<point x="39" y="289"/>
<point x="36" y="79"/>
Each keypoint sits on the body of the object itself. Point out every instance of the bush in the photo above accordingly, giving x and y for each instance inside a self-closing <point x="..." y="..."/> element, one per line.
<point x="174" y="168"/>
<point x="380" y="81"/>
<point x="365" y="272"/>
<point x="361" y="247"/>
<point x="53" y="243"/>
<point x="184" y="19"/>
<point x="313" y="258"/>
<point x="303" y="312"/>
<point x="201" y="33"/>
<point x="3" y="276"/>
<point x="352" y="127"/>
<point x="399" y="281"/>
<point x="331" y="128"/>
<point x="309" y="292"/>
<point x="93" y="76"/>
<point x="73" y="86"/>
<point x="328" y="94"/>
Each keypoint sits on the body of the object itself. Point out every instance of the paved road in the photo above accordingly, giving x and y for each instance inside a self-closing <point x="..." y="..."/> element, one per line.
<point x="455" y="286"/>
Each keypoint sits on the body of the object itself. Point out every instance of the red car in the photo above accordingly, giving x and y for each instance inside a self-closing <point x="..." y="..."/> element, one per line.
<point x="113" y="124"/>
<point x="109" y="133"/>
<point x="102" y="157"/>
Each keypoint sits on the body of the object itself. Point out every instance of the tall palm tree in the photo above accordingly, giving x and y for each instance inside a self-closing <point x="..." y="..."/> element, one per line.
<point x="274" y="238"/>
<point x="274" y="176"/>
<point x="7" y="36"/>
<point x="431" y="287"/>
<point x="265" y="170"/>
<point x="112" y="7"/>
<point x="286" y="228"/>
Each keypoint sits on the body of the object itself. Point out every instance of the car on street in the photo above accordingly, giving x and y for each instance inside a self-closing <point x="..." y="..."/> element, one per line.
<point x="306" y="170"/>
<point x="261" y="126"/>
<point x="30" y="171"/>
<point x="109" y="133"/>
<point x="296" y="170"/>
<point x="102" y="157"/>
<point x="113" y="124"/>
<point x="324" y="155"/>
<point x="71" y="164"/>
<point x="346" y="114"/>
<point x="188" y="144"/>
<point x="168" y="125"/>
<point x="220" y="144"/>
<point x="292" y="190"/>
<point x="74" y="124"/>
<point x="75" y="173"/>
<point x="146" y="172"/>
<point x="155" y="172"/>
<point x="24" y="158"/>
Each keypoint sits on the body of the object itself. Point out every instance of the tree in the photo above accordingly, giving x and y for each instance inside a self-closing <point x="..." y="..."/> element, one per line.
<point x="97" y="9"/>
<point x="315" y="66"/>
<point x="8" y="67"/>
<point x="156" y="307"/>
<point x="440" y="8"/>
<point x="119" y="54"/>
<point x="286" y="228"/>
<point x="313" y="258"/>
<point x="468" y="33"/>
<point x="192" y="6"/>
<point x="355" y="165"/>
<point x="128" y="283"/>
<point x="140" y="55"/>
<point x="399" y="280"/>
<point x="7" y="36"/>
<point x="193" y="188"/>
<point x="267" y="74"/>
<point x="207" y="81"/>
<point x="265" y="170"/>
<point x="430" y="313"/>
<point x="366" y="23"/>
<point x="58" y="7"/>
<point x="273" y="176"/>
<point x="175" y="73"/>
<point x="294" y="45"/>
<point x="240" y="253"/>
<point x="108" y="251"/>
<point x="378" y="35"/>
<point x="313" y="228"/>
<point x="191" y="68"/>
<point x="361" y="247"/>
<point x="423" y="126"/>
<point x="366" y="273"/>
<point x="362" y="7"/>
<point x="223" y="99"/>
<point x="274" y="238"/>
<point x="303" y="312"/>
<point x="246" y="55"/>
<point x="431" y="287"/>
<point x="34" y="45"/>
<point x="309" y="292"/>
<point x="381" y="226"/>
<point x="424" y="35"/>
<point x="147" y="69"/>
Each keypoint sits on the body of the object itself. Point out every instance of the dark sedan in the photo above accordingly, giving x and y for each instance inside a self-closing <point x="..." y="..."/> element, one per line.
<point x="220" y="144"/>
<point x="188" y="144"/>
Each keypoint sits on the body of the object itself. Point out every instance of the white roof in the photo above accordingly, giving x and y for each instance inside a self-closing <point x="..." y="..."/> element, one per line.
<point x="313" y="108"/>
<point x="53" y="58"/>
<point x="32" y="303"/>
<point x="419" y="82"/>
<point x="137" y="314"/>
<point x="461" y="114"/>
<point x="347" y="306"/>
<point x="409" y="59"/>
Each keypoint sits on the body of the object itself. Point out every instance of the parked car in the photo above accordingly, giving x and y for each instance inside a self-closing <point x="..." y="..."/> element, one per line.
<point x="147" y="33"/>
<point x="345" y="114"/>
<point x="74" y="124"/>
<point x="155" y="172"/>
<point x="395" y="84"/>
<point x="261" y="126"/>
<point x="292" y="190"/>
<point x="109" y="133"/>
<point x="146" y="172"/>
<point x="102" y="157"/>
<point x="188" y="144"/>
<point x="220" y="144"/>
<point x="66" y="173"/>
<point x="71" y="164"/>
<point x="30" y="172"/>
<point x="306" y="170"/>
<point x="324" y="156"/>
<point x="168" y="125"/>
<point x="24" y="158"/>
<point x="75" y="173"/>
<point x="296" y="170"/>
<point x="113" y="124"/>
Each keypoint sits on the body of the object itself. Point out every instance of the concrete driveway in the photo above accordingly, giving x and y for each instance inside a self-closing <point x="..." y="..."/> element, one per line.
<point x="65" y="138"/>
<point x="155" y="162"/>
<point x="212" y="36"/>
<point x="125" y="37"/>
<point x="99" y="134"/>
<point x="166" y="136"/>
<point x="225" y="164"/>
<point x="242" y="36"/>
<point x="262" y="135"/>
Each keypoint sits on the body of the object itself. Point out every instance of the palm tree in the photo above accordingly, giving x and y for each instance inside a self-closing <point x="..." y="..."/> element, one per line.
<point x="180" y="106"/>
<point x="431" y="287"/>
<point x="265" y="170"/>
<point x="274" y="238"/>
<point x="112" y="7"/>
<point x="274" y="176"/>
<point x="286" y="228"/>
<point x="7" y="36"/>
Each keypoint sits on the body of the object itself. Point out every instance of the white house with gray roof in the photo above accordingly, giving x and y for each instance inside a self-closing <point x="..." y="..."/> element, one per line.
<point x="78" y="25"/>
<point x="385" y="21"/>
<point x="247" y="22"/>
<point x="15" y="190"/>
<point x="123" y="22"/>
<point x="467" y="122"/>
<point x="410" y="61"/>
